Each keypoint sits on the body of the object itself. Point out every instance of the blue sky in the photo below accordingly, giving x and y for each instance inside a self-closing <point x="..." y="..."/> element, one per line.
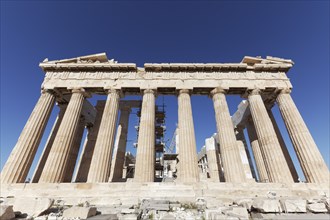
<point x="165" y="31"/>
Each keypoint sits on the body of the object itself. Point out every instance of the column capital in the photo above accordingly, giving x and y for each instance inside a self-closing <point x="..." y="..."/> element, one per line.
<point x="80" y="90"/>
<point x="77" y="90"/>
<point x="253" y="92"/>
<point x="284" y="91"/>
<point x="153" y="91"/>
<point x="218" y="90"/>
<point x="114" y="91"/>
<point x="250" y="92"/>
<point x="184" y="91"/>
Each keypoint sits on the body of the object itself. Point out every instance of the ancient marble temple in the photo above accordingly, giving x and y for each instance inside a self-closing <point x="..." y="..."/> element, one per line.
<point x="261" y="82"/>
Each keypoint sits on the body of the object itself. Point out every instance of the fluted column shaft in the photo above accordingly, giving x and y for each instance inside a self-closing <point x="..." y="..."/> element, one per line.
<point x="89" y="144"/>
<point x="99" y="170"/>
<point x="276" y="166"/>
<point x="188" y="169"/>
<point x="283" y="146"/>
<point x="145" y="155"/>
<point x="49" y="144"/>
<point x="19" y="162"/>
<point x="212" y="159"/>
<point x="72" y="159"/>
<point x="258" y="158"/>
<point x="310" y="158"/>
<point x="55" y="166"/>
<point x="120" y="148"/>
<point x="245" y="153"/>
<point x="230" y="157"/>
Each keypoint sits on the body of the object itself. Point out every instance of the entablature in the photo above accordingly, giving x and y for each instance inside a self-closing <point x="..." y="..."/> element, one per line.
<point x="96" y="72"/>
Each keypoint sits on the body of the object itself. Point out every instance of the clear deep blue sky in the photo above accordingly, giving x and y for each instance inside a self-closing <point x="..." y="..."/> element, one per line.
<point x="165" y="31"/>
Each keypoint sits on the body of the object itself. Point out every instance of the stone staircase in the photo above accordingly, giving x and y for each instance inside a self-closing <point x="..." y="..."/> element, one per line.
<point x="130" y="192"/>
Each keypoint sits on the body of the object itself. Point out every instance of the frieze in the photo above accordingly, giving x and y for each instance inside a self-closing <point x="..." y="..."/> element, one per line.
<point x="165" y="75"/>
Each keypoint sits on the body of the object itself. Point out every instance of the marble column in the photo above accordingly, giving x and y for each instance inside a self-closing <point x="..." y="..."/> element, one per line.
<point x="49" y="144"/>
<point x="145" y="154"/>
<point x="55" y="166"/>
<point x="72" y="159"/>
<point x="230" y="156"/>
<point x="283" y="146"/>
<point x="310" y="158"/>
<point x="188" y="169"/>
<point x="89" y="144"/>
<point x="245" y="161"/>
<point x="258" y="158"/>
<point x="120" y="146"/>
<point x="212" y="159"/>
<point x="245" y="153"/>
<point x="276" y="166"/>
<point x="99" y="170"/>
<point x="20" y="160"/>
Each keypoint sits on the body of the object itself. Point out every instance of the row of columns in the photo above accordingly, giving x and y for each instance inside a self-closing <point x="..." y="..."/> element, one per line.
<point x="275" y="163"/>
<point x="264" y="141"/>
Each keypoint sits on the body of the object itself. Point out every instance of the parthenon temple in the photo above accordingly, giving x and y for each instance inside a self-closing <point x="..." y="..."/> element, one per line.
<point x="227" y="158"/>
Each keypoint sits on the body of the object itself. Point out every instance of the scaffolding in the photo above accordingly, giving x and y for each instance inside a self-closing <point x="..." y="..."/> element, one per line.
<point x="160" y="129"/>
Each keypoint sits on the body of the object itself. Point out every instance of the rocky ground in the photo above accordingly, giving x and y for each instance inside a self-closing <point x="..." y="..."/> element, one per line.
<point x="269" y="207"/>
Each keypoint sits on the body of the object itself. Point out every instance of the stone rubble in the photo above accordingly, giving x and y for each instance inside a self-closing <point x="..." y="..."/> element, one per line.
<point x="326" y="201"/>
<point x="238" y="212"/>
<point x="104" y="217"/>
<point x="317" y="207"/>
<point x="80" y="212"/>
<point x="6" y="212"/>
<point x="240" y="209"/>
<point x="247" y="203"/>
<point x="30" y="206"/>
<point x="152" y="204"/>
<point x="266" y="205"/>
<point x="293" y="205"/>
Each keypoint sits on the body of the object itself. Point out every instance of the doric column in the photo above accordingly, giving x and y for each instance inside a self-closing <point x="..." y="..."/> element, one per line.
<point x="100" y="166"/>
<point x="283" y="146"/>
<point x="72" y="159"/>
<point x="230" y="157"/>
<point x="120" y="146"/>
<point x="258" y="158"/>
<point x="212" y="159"/>
<point x="311" y="161"/>
<point x="145" y="154"/>
<point x="89" y="144"/>
<point x="49" y="144"/>
<point x="245" y="153"/>
<point x="55" y="166"/>
<point x="188" y="169"/>
<point x="276" y="166"/>
<point x="19" y="162"/>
